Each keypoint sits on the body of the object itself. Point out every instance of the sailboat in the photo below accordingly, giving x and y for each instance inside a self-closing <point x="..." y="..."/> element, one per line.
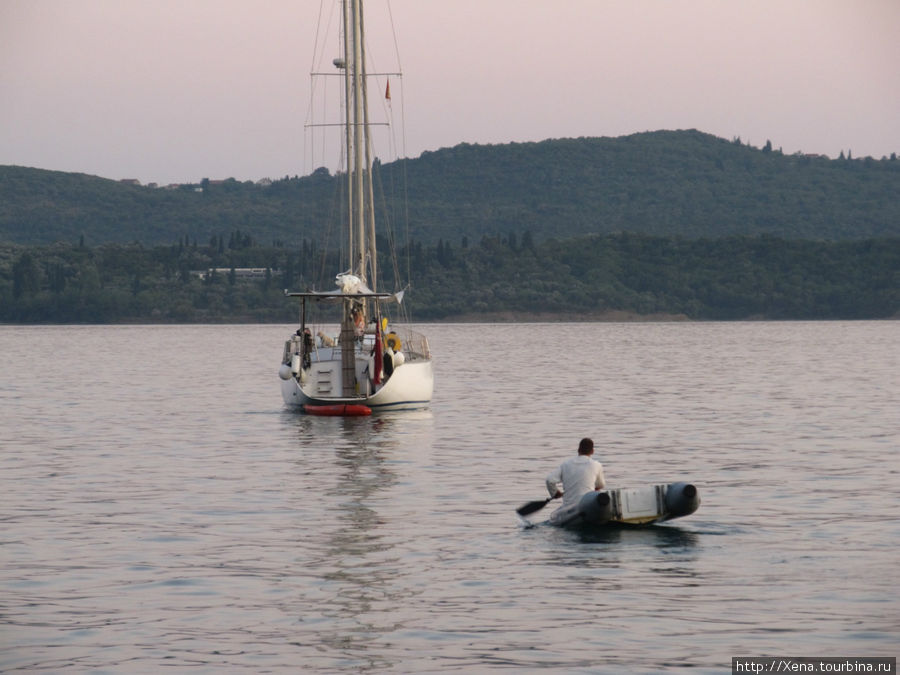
<point x="366" y="364"/>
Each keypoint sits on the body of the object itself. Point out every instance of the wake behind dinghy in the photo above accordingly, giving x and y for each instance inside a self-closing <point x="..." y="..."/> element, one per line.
<point x="629" y="506"/>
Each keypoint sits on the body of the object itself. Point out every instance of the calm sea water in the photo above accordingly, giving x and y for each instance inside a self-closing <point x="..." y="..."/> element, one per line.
<point x="160" y="508"/>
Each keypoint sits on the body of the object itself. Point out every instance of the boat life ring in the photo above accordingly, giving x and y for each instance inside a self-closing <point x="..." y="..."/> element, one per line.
<point x="393" y="341"/>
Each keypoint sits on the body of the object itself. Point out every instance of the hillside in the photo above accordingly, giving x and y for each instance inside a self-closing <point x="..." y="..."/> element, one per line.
<point x="664" y="183"/>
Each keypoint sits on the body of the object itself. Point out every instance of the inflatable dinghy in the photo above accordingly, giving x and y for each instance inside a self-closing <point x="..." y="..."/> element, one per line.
<point x="634" y="506"/>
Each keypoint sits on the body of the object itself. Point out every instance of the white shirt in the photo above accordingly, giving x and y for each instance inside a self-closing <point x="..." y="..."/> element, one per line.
<point x="575" y="477"/>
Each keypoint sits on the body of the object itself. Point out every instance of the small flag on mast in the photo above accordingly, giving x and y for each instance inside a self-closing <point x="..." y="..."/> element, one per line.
<point x="387" y="91"/>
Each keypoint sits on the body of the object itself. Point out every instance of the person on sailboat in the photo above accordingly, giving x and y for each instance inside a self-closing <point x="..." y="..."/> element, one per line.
<point x="307" y="345"/>
<point x="577" y="475"/>
<point x="359" y="323"/>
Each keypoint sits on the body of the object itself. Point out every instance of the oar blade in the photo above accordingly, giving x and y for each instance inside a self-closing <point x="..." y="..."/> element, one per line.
<point x="531" y="507"/>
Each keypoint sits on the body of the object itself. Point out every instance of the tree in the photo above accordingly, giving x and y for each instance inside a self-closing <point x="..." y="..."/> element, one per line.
<point x="56" y="275"/>
<point x="26" y="276"/>
<point x="527" y="241"/>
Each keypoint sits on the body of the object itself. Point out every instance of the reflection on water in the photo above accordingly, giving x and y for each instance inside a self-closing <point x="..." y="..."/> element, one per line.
<point x="615" y="546"/>
<point x="357" y="563"/>
<point x="661" y="536"/>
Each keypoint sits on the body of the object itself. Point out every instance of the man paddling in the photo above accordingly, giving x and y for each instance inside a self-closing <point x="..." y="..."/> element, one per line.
<point x="577" y="476"/>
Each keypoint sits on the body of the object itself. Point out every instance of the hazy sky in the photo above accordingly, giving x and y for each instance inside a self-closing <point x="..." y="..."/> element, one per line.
<point x="178" y="90"/>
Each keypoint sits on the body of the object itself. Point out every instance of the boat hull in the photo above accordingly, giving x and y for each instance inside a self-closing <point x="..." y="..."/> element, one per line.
<point x="409" y="388"/>
<point x="632" y="506"/>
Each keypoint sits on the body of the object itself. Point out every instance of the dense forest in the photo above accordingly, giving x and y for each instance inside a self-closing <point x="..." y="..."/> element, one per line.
<point x="664" y="183"/>
<point x="510" y="277"/>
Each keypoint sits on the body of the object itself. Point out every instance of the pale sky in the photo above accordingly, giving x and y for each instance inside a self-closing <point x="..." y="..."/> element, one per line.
<point x="178" y="90"/>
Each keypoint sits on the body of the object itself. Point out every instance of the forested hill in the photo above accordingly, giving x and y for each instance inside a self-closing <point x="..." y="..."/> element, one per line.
<point x="667" y="183"/>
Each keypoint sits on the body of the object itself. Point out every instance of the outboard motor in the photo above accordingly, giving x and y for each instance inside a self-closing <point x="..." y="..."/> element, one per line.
<point x="682" y="499"/>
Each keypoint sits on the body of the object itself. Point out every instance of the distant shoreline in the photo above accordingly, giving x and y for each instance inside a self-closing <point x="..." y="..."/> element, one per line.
<point x="613" y="316"/>
<point x="610" y="316"/>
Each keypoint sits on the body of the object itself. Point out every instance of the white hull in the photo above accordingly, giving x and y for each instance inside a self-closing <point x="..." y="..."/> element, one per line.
<point x="405" y="382"/>
<point x="409" y="388"/>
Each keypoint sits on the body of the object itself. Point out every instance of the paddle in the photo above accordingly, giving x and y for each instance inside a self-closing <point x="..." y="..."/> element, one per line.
<point x="532" y="507"/>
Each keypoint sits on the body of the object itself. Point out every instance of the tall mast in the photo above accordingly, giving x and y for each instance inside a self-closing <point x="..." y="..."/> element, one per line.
<point x="360" y="138"/>
<point x="348" y="126"/>
<point x="369" y="225"/>
<point x="356" y="138"/>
